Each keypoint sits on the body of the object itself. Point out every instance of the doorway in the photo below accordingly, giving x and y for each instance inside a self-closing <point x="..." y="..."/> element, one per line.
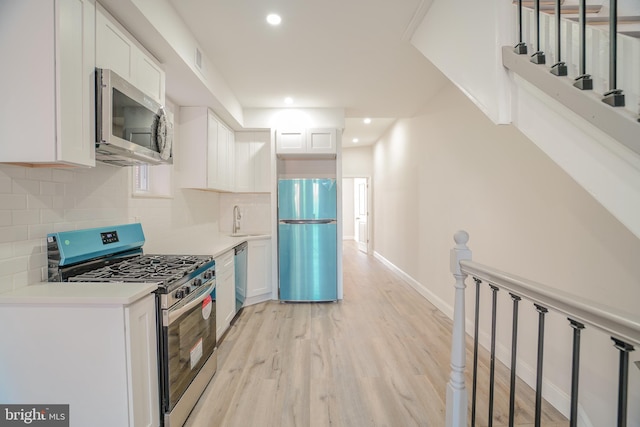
<point x="357" y="211"/>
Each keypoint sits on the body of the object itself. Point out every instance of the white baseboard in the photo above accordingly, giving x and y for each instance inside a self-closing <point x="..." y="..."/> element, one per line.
<point x="550" y="391"/>
<point x="430" y="296"/>
<point x="257" y="299"/>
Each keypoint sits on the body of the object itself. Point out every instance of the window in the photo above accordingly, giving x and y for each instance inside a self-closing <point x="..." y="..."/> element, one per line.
<point x="152" y="181"/>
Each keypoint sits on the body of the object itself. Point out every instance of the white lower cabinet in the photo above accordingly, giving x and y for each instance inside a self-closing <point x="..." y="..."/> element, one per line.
<point x="225" y="292"/>
<point x="101" y="360"/>
<point x="259" y="271"/>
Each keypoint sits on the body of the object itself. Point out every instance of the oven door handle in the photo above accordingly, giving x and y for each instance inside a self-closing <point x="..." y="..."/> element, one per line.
<point x="175" y="313"/>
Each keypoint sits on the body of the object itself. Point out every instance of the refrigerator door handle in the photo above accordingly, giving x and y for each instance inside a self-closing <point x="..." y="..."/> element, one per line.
<point x="308" y="221"/>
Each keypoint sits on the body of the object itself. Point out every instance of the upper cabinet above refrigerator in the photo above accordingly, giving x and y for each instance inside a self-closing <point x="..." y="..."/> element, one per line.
<point x="306" y="143"/>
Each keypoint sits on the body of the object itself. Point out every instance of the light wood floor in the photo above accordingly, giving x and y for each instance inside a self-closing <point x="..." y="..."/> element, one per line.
<point x="380" y="357"/>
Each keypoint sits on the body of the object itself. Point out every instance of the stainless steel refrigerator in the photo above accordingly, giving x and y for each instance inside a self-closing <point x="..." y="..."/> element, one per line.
<point x="307" y="239"/>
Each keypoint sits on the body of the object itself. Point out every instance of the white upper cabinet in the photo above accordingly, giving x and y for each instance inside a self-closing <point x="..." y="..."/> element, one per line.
<point x="119" y="51"/>
<point x="206" y="150"/>
<point x="48" y="82"/>
<point x="244" y="166"/>
<point x="291" y="141"/>
<point x="253" y="162"/>
<point x="306" y="143"/>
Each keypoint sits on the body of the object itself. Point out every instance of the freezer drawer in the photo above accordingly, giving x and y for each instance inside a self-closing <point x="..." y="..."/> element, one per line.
<point x="307" y="262"/>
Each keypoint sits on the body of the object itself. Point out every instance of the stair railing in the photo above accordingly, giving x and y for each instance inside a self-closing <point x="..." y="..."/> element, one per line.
<point x="624" y="331"/>
<point x="613" y="96"/>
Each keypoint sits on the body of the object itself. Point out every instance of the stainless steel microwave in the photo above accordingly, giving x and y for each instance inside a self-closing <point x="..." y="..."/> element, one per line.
<point x="131" y="127"/>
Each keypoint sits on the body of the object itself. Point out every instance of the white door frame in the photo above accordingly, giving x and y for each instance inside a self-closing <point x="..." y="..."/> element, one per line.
<point x="369" y="208"/>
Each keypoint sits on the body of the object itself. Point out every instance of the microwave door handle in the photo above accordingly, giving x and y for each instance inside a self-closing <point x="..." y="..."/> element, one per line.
<point x="174" y="314"/>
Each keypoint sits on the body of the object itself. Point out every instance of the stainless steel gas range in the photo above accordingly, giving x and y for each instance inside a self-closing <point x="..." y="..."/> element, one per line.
<point x="185" y="302"/>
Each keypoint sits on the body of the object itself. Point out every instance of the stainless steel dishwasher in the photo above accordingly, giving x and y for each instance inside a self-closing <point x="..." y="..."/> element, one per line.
<point x="241" y="252"/>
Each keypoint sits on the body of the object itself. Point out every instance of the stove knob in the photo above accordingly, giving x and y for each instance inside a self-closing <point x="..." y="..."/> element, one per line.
<point x="179" y="293"/>
<point x="187" y="290"/>
<point x="208" y="275"/>
<point x="197" y="282"/>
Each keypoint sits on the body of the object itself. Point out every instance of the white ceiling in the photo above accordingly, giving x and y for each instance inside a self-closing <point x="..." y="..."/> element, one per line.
<point x="351" y="54"/>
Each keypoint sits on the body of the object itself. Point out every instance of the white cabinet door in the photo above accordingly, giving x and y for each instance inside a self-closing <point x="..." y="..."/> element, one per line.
<point x="259" y="270"/>
<point x="244" y="169"/>
<point x="252" y="162"/>
<point x="261" y="161"/>
<point x="114" y="48"/>
<point x="231" y="165"/>
<point x="205" y="154"/>
<point x="213" y="141"/>
<point x="223" y="157"/>
<point x="291" y="141"/>
<point x="225" y="292"/>
<point x="118" y="50"/>
<point x="142" y="359"/>
<point x="150" y="78"/>
<point x="321" y="141"/>
<point x="48" y="83"/>
<point x="307" y="142"/>
<point x="89" y="356"/>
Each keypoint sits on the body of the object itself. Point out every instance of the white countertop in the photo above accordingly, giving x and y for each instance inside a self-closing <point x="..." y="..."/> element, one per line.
<point x="49" y="293"/>
<point x="196" y="242"/>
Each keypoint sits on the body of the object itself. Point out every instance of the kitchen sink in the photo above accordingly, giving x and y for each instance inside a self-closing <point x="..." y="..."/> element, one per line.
<point x="246" y="234"/>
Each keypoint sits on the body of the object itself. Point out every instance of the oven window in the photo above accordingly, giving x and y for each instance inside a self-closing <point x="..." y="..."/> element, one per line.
<point x="132" y="121"/>
<point x="191" y="339"/>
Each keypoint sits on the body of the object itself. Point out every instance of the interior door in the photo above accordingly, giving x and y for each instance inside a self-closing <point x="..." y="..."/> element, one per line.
<point x="361" y="213"/>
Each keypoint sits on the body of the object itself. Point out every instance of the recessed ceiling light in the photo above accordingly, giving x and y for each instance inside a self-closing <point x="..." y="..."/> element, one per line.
<point x="356" y="140"/>
<point x="274" y="19"/>
<point x="288" y="100"/>
<point x="367" y="120"/>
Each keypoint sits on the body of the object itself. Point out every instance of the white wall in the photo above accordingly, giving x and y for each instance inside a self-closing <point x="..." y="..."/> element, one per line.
<point x="524" y="215"/>
<point x="357" y="161"/>
<point x="463" y="39"/>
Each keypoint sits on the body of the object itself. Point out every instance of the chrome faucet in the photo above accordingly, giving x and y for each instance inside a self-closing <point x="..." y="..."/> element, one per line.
<point x="237" y="216"/>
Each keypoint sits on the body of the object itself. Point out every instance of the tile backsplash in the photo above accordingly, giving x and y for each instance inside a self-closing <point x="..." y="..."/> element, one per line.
<point x="255" y="210"/>
<point x="38" y="201"/>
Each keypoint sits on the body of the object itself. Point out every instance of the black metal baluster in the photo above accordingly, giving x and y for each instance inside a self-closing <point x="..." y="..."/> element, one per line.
<point x="583" y="81"/>
<point x="475" y="353"/>
<point x="492" y="365"/>
<point x="559" y="68"/>
<point x="623" y="379"/>
<point x="575" y="372"/>
<point x="542" y="311"/>
<point x="514" y="349"/>
<point x="613" y="97"/>
<point x="521" y="47"/>
<point x="538" y="57"/>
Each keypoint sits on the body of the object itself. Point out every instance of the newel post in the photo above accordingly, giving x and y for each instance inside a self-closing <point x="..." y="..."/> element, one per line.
<point x="456" y="390"/>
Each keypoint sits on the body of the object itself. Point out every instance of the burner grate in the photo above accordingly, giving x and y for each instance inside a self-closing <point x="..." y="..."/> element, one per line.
<point x="164" y="269"/>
